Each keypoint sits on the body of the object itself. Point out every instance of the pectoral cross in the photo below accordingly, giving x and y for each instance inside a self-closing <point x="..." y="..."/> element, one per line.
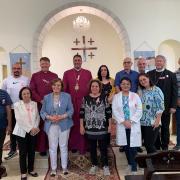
<point x="84" y="48"/>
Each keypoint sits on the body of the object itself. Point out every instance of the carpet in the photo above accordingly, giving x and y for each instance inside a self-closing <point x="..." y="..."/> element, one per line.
<point x="79" y="166"/>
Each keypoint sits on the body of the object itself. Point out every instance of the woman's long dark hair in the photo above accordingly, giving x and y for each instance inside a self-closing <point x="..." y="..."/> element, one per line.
<point x="147" y="76"/>
<point x="99" y="72"/>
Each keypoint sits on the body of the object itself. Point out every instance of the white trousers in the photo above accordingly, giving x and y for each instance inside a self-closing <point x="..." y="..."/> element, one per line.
<point x="55" y="136"/>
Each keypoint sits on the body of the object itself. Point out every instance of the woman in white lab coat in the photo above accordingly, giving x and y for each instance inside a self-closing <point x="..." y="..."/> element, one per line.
<point x="127" y="111"/>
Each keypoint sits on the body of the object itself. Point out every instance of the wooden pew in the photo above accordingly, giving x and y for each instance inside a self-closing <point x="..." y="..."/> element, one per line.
<point x="163" y="161"/>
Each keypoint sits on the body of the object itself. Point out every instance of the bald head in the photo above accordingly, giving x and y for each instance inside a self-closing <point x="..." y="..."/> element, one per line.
<point x="141" y="64"/>
<point x="127" y="63"/>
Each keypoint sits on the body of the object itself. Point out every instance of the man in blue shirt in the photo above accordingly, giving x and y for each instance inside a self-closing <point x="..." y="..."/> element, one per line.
<point x="5" y="118"/>
<point x="133" y="76"/>
<point x="127" y="72"/>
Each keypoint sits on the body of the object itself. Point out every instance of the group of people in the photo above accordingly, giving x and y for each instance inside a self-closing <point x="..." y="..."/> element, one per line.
<point x="76" y="112"/>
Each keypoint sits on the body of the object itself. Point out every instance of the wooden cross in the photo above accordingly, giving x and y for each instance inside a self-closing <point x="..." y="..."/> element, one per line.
<point x="21" y="61"/>
<point x="84" y="49"/>
<point x="90" y="41"/>
<point x="76" y="42"/>
<point x="91" y="55"/>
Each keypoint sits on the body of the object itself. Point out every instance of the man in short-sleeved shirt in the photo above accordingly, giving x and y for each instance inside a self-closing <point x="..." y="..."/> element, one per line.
<point x="12" y="85"/>
<point x="5" y="118"/>
<point x="127" y="72"/>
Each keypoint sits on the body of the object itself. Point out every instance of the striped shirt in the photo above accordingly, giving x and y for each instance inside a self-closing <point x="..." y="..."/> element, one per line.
<point x="178" y="81"/>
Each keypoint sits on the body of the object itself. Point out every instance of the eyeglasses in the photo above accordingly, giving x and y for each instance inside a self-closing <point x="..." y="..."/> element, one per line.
<point x="127" y="62"/>
<point x="17" y="68"/>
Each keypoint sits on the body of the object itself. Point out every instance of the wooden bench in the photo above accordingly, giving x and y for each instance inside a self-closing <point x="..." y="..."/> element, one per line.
<point x="163" y="161"/>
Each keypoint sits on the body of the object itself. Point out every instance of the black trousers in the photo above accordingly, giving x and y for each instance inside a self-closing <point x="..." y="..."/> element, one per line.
<point x="2" y="138"/>
<point x="163" y="137"/>
<point x="149" y="135"/>
<point x="12" y="136"/>
<point x="130" y="152"/>
<point x="102" y="144"/>
<point x="26" y="151"/>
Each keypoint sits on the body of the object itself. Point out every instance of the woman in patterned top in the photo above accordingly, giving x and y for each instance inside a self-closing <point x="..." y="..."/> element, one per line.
<point x="95" y="116"/>
<point x="108" y="88"/>
<point x="153" y="106"/>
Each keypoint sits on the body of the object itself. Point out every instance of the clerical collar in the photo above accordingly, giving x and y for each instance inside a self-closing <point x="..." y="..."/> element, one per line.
<point x="45" y="71"/>
<point x="77" y="69"/>
<point x="160" y="70"/>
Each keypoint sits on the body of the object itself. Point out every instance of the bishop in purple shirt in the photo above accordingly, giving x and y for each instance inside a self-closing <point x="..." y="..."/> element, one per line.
<point x="76" y="82"/>
<point x="40" y="85"/>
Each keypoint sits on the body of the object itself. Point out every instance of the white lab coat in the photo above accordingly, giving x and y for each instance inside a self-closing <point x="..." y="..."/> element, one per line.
<point x="135" y="107"/>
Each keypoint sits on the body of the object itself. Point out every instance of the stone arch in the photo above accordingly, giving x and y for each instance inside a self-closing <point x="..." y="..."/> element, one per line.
<point x="74" y="8"/>
<point x="170" y="49"/>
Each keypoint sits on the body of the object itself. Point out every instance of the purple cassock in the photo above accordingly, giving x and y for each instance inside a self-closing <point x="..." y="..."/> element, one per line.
<point x="76" y="83"/>
<point x="40" y="85"/>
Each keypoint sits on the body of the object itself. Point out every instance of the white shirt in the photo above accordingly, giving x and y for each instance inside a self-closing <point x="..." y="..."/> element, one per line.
<point x="13" y="85"/>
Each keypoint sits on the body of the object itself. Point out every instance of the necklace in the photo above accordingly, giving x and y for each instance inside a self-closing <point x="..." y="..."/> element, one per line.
<point x="76" y="87"/>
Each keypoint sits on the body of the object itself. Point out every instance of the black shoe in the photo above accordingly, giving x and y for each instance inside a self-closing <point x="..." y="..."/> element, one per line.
<point x="11" y="154"/>
<point x="121" y="149"/>
<point x="65" y="172"/>
<point x="139" y="150"/>
<point x="33" y="174"/>
<point x="53" y="173"/>
<point x="43" y="153"/>
<point x="24" y="177"/>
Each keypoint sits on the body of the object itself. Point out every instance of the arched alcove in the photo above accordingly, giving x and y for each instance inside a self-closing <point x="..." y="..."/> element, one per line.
<point x="73" y="8"/>
<point x="171" y="50"/>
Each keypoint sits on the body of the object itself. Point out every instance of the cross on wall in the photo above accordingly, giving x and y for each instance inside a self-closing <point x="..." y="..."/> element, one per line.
<point x="84" y="48"/>
<point x="21" y="61"/>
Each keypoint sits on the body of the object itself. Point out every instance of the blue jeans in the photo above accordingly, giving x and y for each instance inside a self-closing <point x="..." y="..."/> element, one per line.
<point x="130" y="152"/>
<point x="178" y="125"/>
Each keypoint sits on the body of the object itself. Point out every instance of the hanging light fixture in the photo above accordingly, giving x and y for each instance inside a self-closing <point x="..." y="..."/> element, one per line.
<point x="81" y="23"/>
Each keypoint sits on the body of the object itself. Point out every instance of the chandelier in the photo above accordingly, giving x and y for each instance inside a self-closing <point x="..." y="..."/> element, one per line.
<point x="81" y="23"/>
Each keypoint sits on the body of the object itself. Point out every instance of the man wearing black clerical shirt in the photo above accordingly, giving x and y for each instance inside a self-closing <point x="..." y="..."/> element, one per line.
<point x="167" y="82"/>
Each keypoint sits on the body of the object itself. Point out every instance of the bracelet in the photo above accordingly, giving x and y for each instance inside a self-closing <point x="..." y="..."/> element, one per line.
<point x="47" y="116"/>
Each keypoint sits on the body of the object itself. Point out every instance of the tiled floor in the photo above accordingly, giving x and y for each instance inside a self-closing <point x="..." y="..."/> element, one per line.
<point x="41" y="165"/>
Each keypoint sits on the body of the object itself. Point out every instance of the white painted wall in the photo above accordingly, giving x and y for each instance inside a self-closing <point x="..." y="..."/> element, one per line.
<point x="153" y="21"/>
<point x="59" y="41"/>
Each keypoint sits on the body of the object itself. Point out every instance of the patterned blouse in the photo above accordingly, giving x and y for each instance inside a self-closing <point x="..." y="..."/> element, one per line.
<point x="96" y="112"/>
<point x="153" y="103"/>
<point x="125" y="102"/>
